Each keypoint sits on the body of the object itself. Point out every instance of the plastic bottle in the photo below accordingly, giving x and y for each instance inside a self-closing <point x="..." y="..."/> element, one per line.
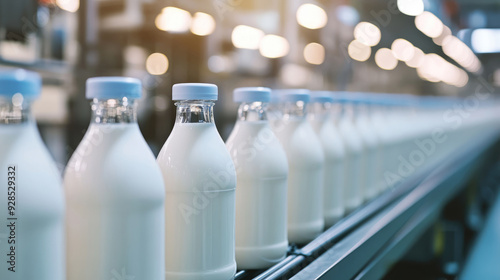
<point x="306" y="164"/>
<point x="354" y="154"/>
<point x="334" y="151"/>
<point x="274" y="113"/>
<point x="261" y="189"/>
<point x="114" y="190"/>
<point x="388" y="133"/>
<point x="372" y="147"/>
<point x="200" y="182"/>
<point x="376" y="121"/>
<point x="31" y="197"/>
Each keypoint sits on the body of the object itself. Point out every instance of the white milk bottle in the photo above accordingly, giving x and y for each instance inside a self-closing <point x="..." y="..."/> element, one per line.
<point x="372" y="148"/>
<point x="31" y="196"/>
<point x="386" y="134"/>
<point x="333" y="148"/>
<point x="200" y="182"/>
<point x="305" y="162"/>
<point x="114" y="189"/>
<point x="273" y="112"/>
<point x="261" y="189"/>
<point x="354" y="158"/>
<point x="376" y="123"/>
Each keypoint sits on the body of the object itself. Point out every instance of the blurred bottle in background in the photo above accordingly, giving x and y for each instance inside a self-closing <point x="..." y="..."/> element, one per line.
<point x="32" y="200"/>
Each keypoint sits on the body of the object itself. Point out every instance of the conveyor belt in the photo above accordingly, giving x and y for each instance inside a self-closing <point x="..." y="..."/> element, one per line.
<point x="485" y="256"/>
<point x="366" y="242"/>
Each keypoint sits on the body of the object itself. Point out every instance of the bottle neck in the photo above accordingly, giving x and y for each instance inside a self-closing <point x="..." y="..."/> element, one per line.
<point x="254" y="111"/>
<point x="274" y="112"/>
<point x="14" y="111"/>
<point x="110" y="111"/>
<point x="195" y="111"/>
<point x="319" y="111"/>
<point x="294" y="110"/>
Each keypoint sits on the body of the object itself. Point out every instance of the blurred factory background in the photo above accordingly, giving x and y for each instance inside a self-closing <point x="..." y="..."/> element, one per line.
<point x="423" y="47"/>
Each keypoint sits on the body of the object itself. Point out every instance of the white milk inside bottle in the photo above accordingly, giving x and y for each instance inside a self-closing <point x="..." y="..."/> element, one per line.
<point x="372" y="148"/>
<point x="388" y="136"/>
<point x="114" y="190"/>
<point x="305" y="161"/>
<point x="376" y="121"/>
<point x="200" y="182"/>
<point x="354" y="155"/>
<point x="261" y="189"/>
<point x="333" y="148"/>
<point x="396" y="126"/>
<point x="31" y="198"/>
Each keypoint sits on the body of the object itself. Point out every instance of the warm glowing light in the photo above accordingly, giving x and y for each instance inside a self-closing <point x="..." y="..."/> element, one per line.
<point x="359" y="51"/>
<point x="246" y="37"/>
<point x="385" y="59"/>
<point x="462" y="80"/>
<point x="69" y="5"/>
<point x="157" y="64"/>
<point x="429" y="24"/>
<point x="173" y="20"/>
<point x="461" y="53"/>
<point x="294" y="75"/>
<point x="273" y="46"/>
<point x="311" y="16"/>
<point x="402" y="49"/>
<point x="431" y="67"/>
<point x="220" y="64"/>
<point x="435" y="68"/>
<point x="134" y="55"/>
<point x="411" y="7"/>
<point x="445" y="33"/>
<point x="203" y="24"/>
<point x="367" y="33"/>
<point x="314" y="53"/>
<point x="417" y="59"/>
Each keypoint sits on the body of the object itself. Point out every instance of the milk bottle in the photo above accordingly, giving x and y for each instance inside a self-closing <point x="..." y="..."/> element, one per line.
<point x="200" y="182"/>
<point x="114" y="190"/>
<point x="306" y="162"/>
<point x="377" y="121"/>
<point x="372" y="148"/>
<point x="261" y="189"/>
<point x="333" y="148"/>
<point x="31" y="196"/>
<point x="273" y="112"/>
<point x="354" y="157"/>
<point x="388" y="134"/>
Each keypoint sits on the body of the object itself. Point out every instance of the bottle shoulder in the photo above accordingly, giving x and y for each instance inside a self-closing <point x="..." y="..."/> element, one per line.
<point x="256" y="151"/>
<point x="24" y="145"/>
<point x="113" y="152"/>
<point x="194" y="156"/>
<point x="301" y="144"/>
<point x="24" y="157"/>
<point x="193" y="140"/>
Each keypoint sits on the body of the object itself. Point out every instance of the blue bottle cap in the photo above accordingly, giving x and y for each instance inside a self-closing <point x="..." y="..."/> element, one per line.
<point x="321" y="97"/>
<point x="292" y="95"/>
<point x="336" y="96"/>
<point x="27" y="83"/>
<point x="252" y="94"/>
<point x="194" y="91"/>
<point x="113" y="88"/>
<point x="351" y="97"/>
